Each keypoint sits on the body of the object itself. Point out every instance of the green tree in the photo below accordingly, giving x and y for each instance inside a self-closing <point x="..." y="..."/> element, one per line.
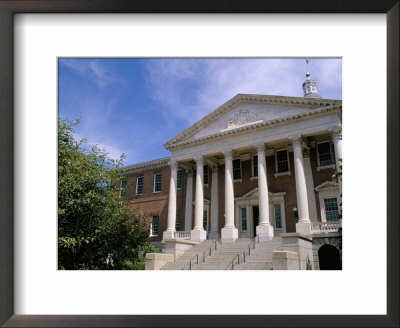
<point x="96" y="229"/>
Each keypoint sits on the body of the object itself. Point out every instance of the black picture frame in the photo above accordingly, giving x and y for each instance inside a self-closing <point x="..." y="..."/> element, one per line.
<point x="7" y="10"/>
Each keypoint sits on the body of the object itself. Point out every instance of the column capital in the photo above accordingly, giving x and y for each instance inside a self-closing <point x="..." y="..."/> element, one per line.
<point x="336" y="133"/>
<point x="189" y="172"/>
<point x="228" y="154"/>
<point x="214" y="169"/>
<point x="173" y="163"/>
<point x="261" y="147"/>
<point x="306" y="152"/>
<point x="199" y="160"/>
<point x="296" y="140"/>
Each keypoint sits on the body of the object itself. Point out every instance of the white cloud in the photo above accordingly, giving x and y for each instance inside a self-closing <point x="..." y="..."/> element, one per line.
<point x="210" y="83"/>
<point x="93" y="69"/>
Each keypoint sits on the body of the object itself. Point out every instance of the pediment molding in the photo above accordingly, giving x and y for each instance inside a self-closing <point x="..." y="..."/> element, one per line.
<point x="254" y="194"/>
<point x="257" y="125"/>
<point x="327" y="185"/>
<point x="316" y="105"/>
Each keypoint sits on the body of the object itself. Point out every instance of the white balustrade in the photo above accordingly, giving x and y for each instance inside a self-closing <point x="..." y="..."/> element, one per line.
<point x="325" y="227"/>
<point x="182" y="235"/>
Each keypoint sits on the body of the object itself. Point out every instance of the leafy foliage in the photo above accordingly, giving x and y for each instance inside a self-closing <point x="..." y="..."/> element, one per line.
<point x="96" y="230"/>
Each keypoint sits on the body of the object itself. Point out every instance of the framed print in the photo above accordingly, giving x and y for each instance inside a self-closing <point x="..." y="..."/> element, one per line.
<point x="35" y="35"/>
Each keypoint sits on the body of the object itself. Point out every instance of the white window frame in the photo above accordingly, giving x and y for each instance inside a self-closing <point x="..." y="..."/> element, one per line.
<point x="288" y="172"/>
<point x="331" y="166"/>
<point x="137" y="184"/>
<point x="178" y="215"/>
<point x="120" y="188"/>
<point x="151" y="226"/>
<point x="177" y="173"/>
<point x="205" y="210"/>
<point x="252" y="176"/>
<point x="241" y="219"/>
<point x="241" y="171"/>
<point x="280" y="208"/>
<point x="275" y="200"/>
<point x="324" y="194"/>
<point x="154" y="183"/>
<point x="208" y="175"/>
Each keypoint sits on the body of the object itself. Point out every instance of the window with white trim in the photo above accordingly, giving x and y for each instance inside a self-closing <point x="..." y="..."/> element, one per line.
<point x="278" y="216"/>
<point x="331" y="209"/>
<point x="122" y="188"/>
<point x="178" y="222"/>
<point x="237" y="174"/>
<point x="244" y="218"/>
<point x="255" y="165"/>
<point x="157" y="182"/>
<point x="282" y="161"/>
<point x="179" y="179"/>
<point x="139" y="185"/>
<point x="205" y="220"/>
<point x="324" y="153"/>
<point x="154" y="226"/>
<point x="205" y="174"/>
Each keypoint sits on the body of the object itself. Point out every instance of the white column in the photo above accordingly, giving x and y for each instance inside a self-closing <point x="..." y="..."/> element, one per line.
<point x="169" y="233"/>
<point x="229" y="233"/>
<point x="312" y="206"/>
<point x="214" y="203"/>
<point x="198" y="233"/>
<point x="337" y="144"/>
<point x="304" y="224"/>
<point x="189" y="200"/>
<point x="264" y="230"/>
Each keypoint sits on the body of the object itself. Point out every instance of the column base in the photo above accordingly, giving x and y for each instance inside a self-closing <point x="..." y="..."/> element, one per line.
<point x="213" y="235"/>
<point x="168" y="235"/>
<point x="304" y="228"/>
<point x="229" y="235"/>
<point x="264" y="232"/>
<point x="198" y="235"/>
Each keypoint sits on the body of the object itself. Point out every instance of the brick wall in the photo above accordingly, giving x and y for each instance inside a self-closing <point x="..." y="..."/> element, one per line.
<point x="157" y="203"/>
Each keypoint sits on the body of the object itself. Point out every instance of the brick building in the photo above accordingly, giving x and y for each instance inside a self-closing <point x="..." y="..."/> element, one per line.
<point x="257" y="166"/>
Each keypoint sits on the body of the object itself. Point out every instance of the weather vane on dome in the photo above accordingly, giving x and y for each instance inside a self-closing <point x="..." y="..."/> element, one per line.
<point x="307" y="62"/>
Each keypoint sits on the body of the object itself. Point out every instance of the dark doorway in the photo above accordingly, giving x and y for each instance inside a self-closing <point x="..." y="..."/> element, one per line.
<point x="329" y="258"/>
<point x="256" y="218"/>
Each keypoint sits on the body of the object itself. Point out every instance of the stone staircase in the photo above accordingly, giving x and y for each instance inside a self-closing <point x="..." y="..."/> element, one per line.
<point x="261" y="257"/>
<point x="191" y="254"/>
<point x="224" y="254"/>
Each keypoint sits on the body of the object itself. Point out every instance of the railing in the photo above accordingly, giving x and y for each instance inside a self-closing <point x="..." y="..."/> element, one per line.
<point x="238" y="257"/>
<point x="195" y="258"/>
<point x="209" y="249"/>
<point x="326" y="227"/>
<point x="182" y="235"/>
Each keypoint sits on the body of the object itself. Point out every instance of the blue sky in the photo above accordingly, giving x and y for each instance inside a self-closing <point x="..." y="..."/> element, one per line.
<point x="133" y="106"/>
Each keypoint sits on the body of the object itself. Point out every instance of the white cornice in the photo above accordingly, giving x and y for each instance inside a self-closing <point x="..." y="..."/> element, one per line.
<point x="155" y="163"/>
<point x="175" y="144"/>
<point x="241" y="98"/>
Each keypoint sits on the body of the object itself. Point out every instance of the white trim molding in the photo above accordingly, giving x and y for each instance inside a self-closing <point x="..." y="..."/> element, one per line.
<point x="328" y="189"/>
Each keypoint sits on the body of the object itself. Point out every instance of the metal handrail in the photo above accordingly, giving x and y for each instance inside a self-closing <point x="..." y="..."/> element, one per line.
<point x="237" y="256"/>
<point x="197" y="255"/>
<point x="214" y="244"/>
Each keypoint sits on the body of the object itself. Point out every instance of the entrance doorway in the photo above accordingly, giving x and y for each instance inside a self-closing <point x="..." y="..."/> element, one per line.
<point x="329" y="258"/>
<point x="256" y="219"/>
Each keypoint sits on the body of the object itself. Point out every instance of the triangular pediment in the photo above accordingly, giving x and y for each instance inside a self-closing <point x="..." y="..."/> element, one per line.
<point x="250" y="111"/>
<point x="253" y="194"/>
<point x="327" y="185"/>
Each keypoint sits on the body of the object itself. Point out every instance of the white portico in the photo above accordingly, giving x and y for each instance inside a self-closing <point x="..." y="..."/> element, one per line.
<point x="255" y="125"/>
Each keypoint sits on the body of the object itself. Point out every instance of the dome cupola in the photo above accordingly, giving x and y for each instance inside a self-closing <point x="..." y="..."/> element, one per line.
<point x="310" y="86"/>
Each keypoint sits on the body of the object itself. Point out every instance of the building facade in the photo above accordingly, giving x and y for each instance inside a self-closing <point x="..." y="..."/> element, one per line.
<point x="257" y="166"/>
